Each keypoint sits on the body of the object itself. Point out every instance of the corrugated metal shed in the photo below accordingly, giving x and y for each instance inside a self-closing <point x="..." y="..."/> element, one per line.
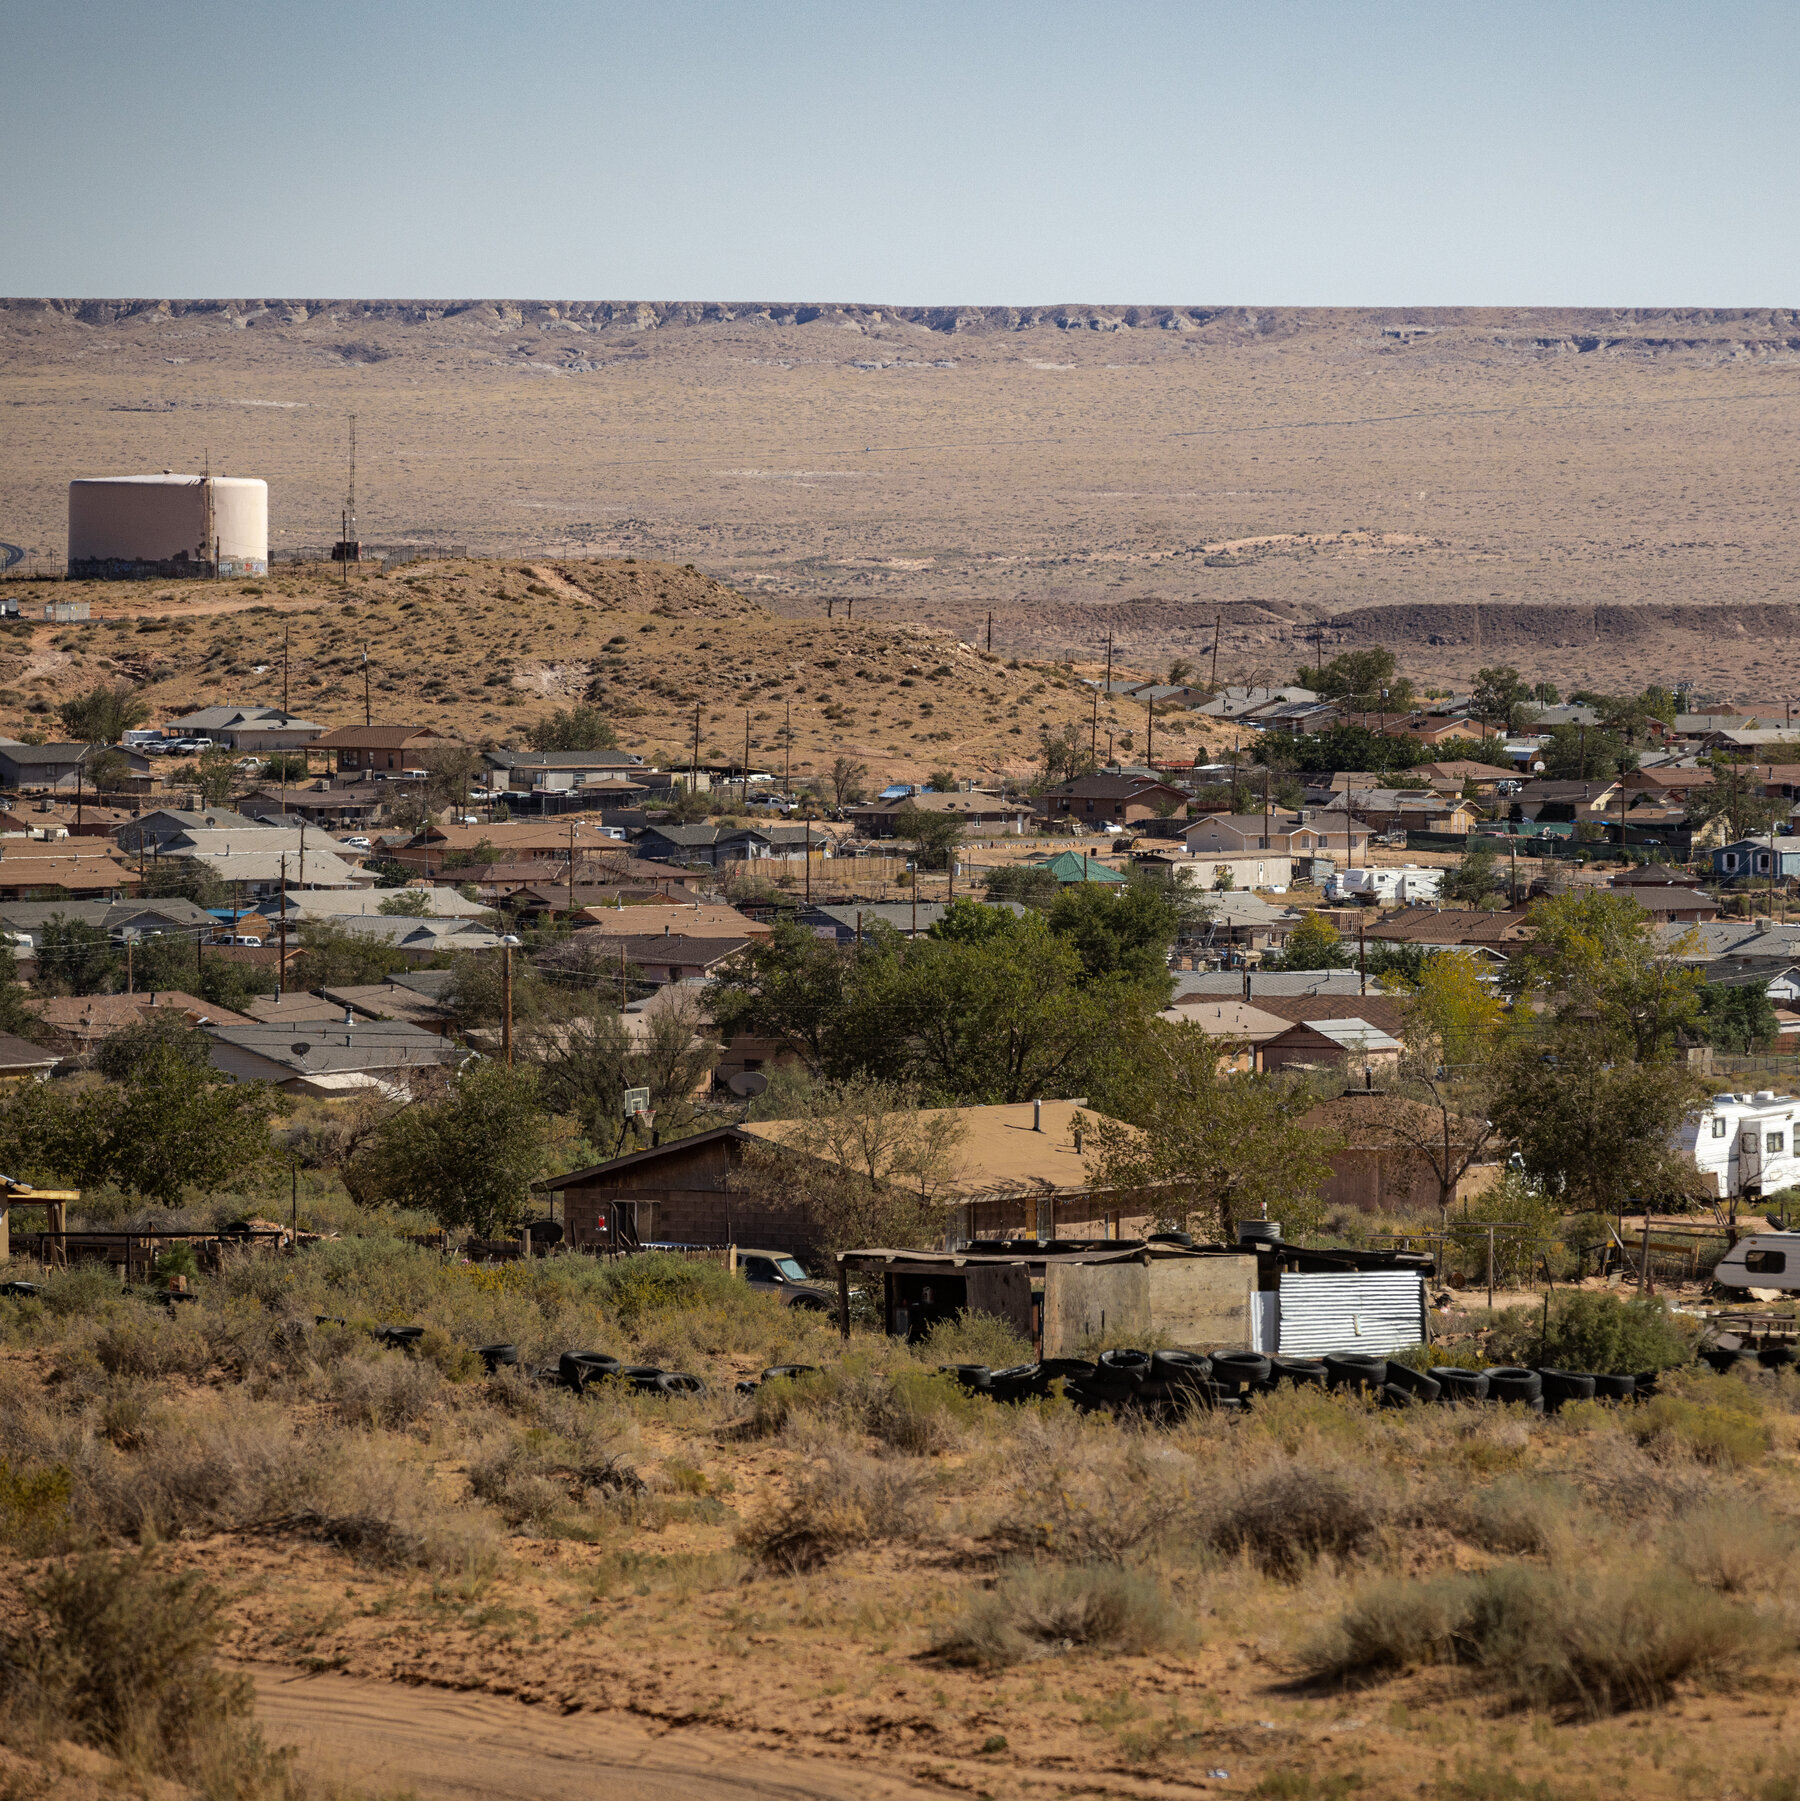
<point x="1358" y="1310"/>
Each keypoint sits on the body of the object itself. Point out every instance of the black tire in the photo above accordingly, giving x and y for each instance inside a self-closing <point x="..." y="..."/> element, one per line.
<point x="1351" y="1369"/>
<point x="1181" y="1238"/>
<point x="637" y="1372"/>
<point x="977" y="1378"/>
<point x="399" y="1337"/>
<point x="1566" y="1385"/>
<point x="498" y="1356"/>
<point x="1179" y="1366"/>
<point x="18" y="1291"/>
<point x="1776" y="1357"/>
<point x="748" y="1388"/>
<point x="810" y="1303"/>
<point x="1415" y="1382"/>
<point x="1459" y="1384"/>
<point x="1721" y="1360"/>
<point x="1098" y="1397"/>
<point x="1393" y="1395"/>
<point x="1507" y="1383"/>
<point x="1134" y="1366"/>
<point x="1298" y="1372"/>
<point x="1237" y="1367"/>
<point x="675" y="1382"/>
<point x="1615" y="1388"/>
<point x="1071" y="1369"/>
<point x="578" y="1368"/>
<point x="329" y="1319"/>
<point x="786" y="1372"/>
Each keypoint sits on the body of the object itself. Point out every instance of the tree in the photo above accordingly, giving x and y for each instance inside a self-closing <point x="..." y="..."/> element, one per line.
<point x="475" y="995"/>
<point x="169" y="1129"/>
<point x="1313" y="944"/>
<point x="452" y="768"/>
<point x="405" y="903"/>
<point x="942" y="781"/>
<point x="1120" y="934"/>
<point x="685" y="805"/>
<point x="1029" y="884"/>
<point x="181" y="878"/>
<point x="103" y="715"/>
<point x="1188" y="1141"/>
<point x="589" y="1063"/>
<point x="108" y="771"/>
<point x="1740" y="1019"/>
<point x="1360" y="677"/>
<point x="1343" y="747"/>
<point x="226" y="982"/>
<point x="1477" y="878"/>
<point x="215" y="775"/>
<point x="581" y="727"/>
<point x="1574" y="753"/>
<point x="160" y="1029"/>
<point x="286" y="766"/>
<point x="847" y="778"/>
<point x="466" y="1149"/>
<point x="934" y="835"/>
<point x="333" y="957"/>
<point x="1499" y="697"/>
<point x="1066" y="755"/>
<point x="860" y="1158"/>
<point x="1733" y="795"/>
<point x="16" y="1015"/>
<point x="794" y="989"/>
<point x="74" y="957"/>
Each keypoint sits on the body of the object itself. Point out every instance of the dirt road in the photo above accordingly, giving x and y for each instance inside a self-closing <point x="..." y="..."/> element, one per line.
<point x="443" y="1745"/>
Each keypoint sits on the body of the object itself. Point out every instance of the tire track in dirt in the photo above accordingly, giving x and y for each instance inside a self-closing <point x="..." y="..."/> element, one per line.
<point x="452" y="1745"/>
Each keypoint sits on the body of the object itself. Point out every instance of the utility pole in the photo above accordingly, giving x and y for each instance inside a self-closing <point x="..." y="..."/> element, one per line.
<point x="694" y="767"/>
<point x="1094" y="736"/>
<point x="506" y="1006"/>
<point x="80" y="766"/>
<point x="622" y="995"/>
<point x="744" y="795"/>
<point x="787" y="754"/>
<point x="281" y="926"/>
<point x="1362" y="955"/>
<point x="130" y="943"/>
<point x="807" y="825"/>
<point x="1218" y="628"/>
<point x="571" y="869"/>
<point x="990" y="632"/>
<point x="1150" y="735"/>
<point x="368" y="718"/>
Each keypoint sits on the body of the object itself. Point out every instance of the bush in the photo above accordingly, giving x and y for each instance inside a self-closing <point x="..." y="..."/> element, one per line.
<point x="535" y="1480"/>
<point x="1546" y="1639"/>
<point x="1520" y="1515"/>
<point x="840" y="1500"/>
<point x="1035" y="1611"/>
<point x="1287" y="1514"/>
<point x="34" y="1508"/>
<point x="1716" y="1429"/>
<point x="975" y="1338"/>
<point x="1593" y="1331"/>
<point x="123" y="1654"/>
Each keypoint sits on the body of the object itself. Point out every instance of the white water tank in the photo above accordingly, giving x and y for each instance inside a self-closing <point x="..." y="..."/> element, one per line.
<point x="168" y="525"/>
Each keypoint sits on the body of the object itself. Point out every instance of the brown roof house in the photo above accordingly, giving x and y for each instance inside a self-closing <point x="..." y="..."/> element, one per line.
<point x="1320" y="1043"/>
<point x="388" y="748"/>
<point x="1121" y="799"/>
<point x="978" y="813"/>
<point x="994" y="1171"/>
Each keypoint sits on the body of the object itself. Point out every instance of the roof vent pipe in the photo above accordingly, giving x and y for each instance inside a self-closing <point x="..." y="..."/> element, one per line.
<point x="1037" y="1116"/>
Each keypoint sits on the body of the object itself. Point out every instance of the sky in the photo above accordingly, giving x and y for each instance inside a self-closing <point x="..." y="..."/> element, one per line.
<point x="1281" y="152"/>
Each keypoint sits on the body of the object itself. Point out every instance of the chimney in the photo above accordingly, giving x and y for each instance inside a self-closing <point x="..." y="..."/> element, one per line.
<point x="1037" y="1116"/>
<point x="1246" y="983"/>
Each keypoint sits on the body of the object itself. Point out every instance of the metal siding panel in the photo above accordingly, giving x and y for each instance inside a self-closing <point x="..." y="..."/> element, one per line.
<point x="1352" y="1310"/>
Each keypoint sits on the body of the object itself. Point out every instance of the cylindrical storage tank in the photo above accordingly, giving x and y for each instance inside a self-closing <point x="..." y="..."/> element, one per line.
<point x="168" y="525"/>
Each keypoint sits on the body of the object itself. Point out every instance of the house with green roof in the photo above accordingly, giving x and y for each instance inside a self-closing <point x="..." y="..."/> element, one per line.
<point x="1071" y="866"/>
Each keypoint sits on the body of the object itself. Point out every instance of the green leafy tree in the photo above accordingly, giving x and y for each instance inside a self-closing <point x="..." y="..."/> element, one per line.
<point x="1574" y="753"/>
<point x="1478" y="878"/>
<point x="1343" y="747"/>
<point x="103" y="715"/>
<point x="405" y="903"/>
<point x="166" y="960"/>
<point x="1029" y="884"/>
<point x="215" y="775"/>
<point x="794" y="989"/>
<point x="1500" y="698"/>
<point x="74" y="957"/>
<point x="1740" y="1019"/>
<point x="1734" y="795"/>
<point x="685" y="806"/>
<point x="227" y="982"/>
<point x="333" y="957"/>
<point x="181" y="878"/>
<point x="1066" y="755"/>
<point x="934" y="836"/>
<point x="1193" y="1145"/>
<point x="1120" y="933"/>
<point x="942" y="781"/>
<point x="1360" y="677"/>
<point x="1313" y="944"/>
<point x="475" y="995"/>
<point x="466" y="1151"/>
<point x="108" y="771"/>
<point x="161" y="1029"/>
<point x="16" y="1015"/>
<point x="580" y="727"/>
<point x="286" y="766"/>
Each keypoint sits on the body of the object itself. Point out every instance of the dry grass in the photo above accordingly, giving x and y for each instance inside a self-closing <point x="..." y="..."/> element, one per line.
<point x="1037" y="1610"/>
<point x="838" y="1500"/>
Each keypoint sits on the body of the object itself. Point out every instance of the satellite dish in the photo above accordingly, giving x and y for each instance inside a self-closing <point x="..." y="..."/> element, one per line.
<point x="747" y="1084"/>
<point x="300" y="1049"/>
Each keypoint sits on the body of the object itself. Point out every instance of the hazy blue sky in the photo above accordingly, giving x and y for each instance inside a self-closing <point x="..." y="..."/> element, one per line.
<point x="1108" y="150"/>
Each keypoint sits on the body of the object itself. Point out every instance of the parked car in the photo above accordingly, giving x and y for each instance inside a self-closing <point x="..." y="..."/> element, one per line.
<point x="357" y="844"/>
<point x="776" y="1273"/>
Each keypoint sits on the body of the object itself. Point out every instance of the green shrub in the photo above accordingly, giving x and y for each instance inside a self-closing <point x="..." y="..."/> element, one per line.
<point x="975" y="1338"/>
<point x="1036" y="1610"/>
<point x="1714" y="1428"/>
<point x="1593" y="1331"/>
<point x="34" y="1508"/>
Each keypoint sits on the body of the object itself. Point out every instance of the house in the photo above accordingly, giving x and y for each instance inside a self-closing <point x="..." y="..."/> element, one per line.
<point x="345" y="903"/>
<point x="1403" y="810"/>
<point x="260" y="862"/>
<point x="975" y="812"/>
<point x="80" y="1021"/>
<point x="1671" y="901"/>
<point x="1460" y="773"/>
<point x="1316" y="1043"/>
<point x="365" y="749"/>
<point x="523" y="771"/>
<point x="44" y="874"/>
<point x="1242" y="925"/>
<point x="333" y="805"/>
<point x="1469" y="927"/>
<point x="60" y="768"/>
<point x="23" y="1061"/>
<point x="660" y="913"/>
<point x="843" y="925"/>
<point x="545" y="844"/>
<point x="1742" y="941"/>
<point x="1122" y="799"/>
<point x="1234" y="702"/>
<point x="682" y="844"/>
<point x="395" y="999"/>
<point x="1242" y="1029"/>
<point x="1749" y="859"/>
<point x="23" y="922"/>
<point x="1558" y="802"/>
<point x="1077" y="866"/>
<point x="1235" y="834"/>
<point x="656" y="957"/>
<point x="1013" y="1169"/>
<point x="260" y="729"/>
<point x="420" y="939"/>
<point x="1667" y="782"/>
<point x="1743" y="1144"/>
<point x="329" y="1061"/>
<point x="1433" y="728"/>
<point x="150" y="832"/>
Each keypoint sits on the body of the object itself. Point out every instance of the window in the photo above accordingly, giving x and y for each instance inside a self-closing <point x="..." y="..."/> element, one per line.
<point x="1766" y="1263"/>
<point x="758" y="1269"/>
<point x="790" y="1269"/>
<point x="1721" y="1127"/>
<point x="1774" y="1143"/>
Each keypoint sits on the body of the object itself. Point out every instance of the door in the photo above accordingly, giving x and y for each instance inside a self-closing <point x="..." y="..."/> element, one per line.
<point x="1749" y="1169"/>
